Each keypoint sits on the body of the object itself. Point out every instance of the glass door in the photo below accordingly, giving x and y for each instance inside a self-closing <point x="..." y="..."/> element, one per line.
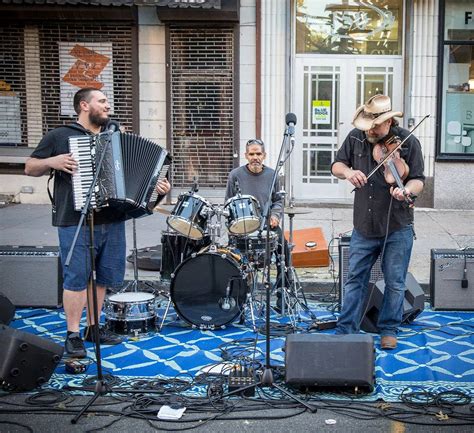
<point x="327" y="92"/>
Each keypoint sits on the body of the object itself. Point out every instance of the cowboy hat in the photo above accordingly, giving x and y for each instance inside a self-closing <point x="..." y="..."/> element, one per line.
<point x="375" y="111"/>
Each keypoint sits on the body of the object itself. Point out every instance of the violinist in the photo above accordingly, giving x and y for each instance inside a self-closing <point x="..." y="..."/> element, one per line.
<point x="383" y="212"/>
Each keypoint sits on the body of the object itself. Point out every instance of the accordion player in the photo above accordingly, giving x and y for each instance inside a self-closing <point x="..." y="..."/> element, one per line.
<point x="131" y="167"/>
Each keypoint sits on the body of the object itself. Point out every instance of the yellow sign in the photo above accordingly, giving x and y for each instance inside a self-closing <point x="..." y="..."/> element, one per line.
<point x="321" y="112"/>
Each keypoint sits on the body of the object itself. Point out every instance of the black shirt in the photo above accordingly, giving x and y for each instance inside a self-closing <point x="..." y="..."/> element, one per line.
<point x="372" y="202"/>
<point x="55" y="143"/>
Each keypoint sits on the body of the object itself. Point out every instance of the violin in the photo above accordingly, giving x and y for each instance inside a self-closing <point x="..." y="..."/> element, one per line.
<point x="395" y="169"/>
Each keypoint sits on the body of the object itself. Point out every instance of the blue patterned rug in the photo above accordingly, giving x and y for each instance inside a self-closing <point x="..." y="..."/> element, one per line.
<point x="435" y="352"/>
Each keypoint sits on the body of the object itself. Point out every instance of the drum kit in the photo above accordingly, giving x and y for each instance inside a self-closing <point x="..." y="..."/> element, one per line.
<point x="211" y="284"/>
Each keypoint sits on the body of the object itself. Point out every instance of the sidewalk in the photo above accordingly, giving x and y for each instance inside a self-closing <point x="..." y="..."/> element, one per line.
<point x="24" y="224"/>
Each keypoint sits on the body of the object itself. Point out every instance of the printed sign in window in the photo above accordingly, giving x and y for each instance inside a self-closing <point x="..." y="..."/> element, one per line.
<point x="321" y="112"/>
<point x="10" y="118"/>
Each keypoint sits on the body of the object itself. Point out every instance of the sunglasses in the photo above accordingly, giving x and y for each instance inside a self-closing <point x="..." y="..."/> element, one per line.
<point x="255" y="141"/>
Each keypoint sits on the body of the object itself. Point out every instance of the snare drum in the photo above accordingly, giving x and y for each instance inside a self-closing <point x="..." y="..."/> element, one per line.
<point x="189" y="216"/>
<point x="175" y="248"/>
<point x="243" y="214"/>
<point x="209" y="289"/>
<point x="130" y="313"/>
<point x="254" y="241"/>
<point x="252" y="247"/>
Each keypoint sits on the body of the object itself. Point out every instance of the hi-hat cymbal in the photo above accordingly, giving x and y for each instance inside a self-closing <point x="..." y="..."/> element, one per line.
<point x="161" y="210"/>
<point x="297" y="210"/>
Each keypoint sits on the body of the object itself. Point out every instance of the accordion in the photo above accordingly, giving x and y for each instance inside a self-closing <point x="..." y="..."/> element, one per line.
<point x="131" y="167"/>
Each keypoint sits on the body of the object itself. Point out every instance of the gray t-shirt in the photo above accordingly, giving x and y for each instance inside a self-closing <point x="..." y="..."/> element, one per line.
<point x="257" y="185"/>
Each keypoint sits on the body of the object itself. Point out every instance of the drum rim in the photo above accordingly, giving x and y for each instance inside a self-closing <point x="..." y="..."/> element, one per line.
<point x="236" y="197"/>
<point x="192" y="194"/>
<point x="153" y="297"/>
<point x="193" y="225"/>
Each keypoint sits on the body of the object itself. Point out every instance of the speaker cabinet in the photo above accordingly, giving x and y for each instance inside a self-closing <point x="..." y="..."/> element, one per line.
<point x="31" y="276"/>
<point x="7" y="310"/>
<point x="335" y="362"/>
<point x="413" y="304"/>
<point x="375" y="274"/>
<point x="452" y="279"/>
<point x="26" y="360"/>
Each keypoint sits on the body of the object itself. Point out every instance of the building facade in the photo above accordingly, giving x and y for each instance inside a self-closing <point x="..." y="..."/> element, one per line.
<point x="201" y="77"/>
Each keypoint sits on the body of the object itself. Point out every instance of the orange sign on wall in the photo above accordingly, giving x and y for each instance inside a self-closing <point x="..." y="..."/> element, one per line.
<point x="87" y="68"/>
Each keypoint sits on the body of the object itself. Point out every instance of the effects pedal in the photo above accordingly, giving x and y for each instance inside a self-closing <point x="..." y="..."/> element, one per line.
<point x="321" y="325"/>
<point x="240" y="377"/>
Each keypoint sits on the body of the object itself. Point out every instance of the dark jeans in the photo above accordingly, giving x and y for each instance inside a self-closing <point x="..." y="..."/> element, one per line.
<point x="363" y="253"/>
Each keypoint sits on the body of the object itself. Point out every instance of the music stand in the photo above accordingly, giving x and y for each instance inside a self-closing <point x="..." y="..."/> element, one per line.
<point x="87" y="210"/>
<point x="267" y="375"/>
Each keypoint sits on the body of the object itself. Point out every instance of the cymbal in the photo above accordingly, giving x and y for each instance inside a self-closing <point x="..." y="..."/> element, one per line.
<point x="297" y="210"/>
<point x="161" y="210"/>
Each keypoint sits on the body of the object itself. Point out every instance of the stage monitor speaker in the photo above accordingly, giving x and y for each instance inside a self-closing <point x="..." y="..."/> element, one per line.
<point x="26" y="360"/>
<point x="330" y="362"/>
<point x="413" y="304"/>
<point x="7" y="310"/>
<point x="31" y="276"/>
<point x="452" y="279"/>
<point x="376" y="273"/>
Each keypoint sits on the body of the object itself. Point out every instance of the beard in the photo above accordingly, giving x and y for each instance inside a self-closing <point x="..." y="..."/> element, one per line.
<point x="96" y="119"/>
<point x="374" y="139"/>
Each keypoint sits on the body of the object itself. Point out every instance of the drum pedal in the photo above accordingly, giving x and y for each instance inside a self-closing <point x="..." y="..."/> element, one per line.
<point x="240" y="377"/>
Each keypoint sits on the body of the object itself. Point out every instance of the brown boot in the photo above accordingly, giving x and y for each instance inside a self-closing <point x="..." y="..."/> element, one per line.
<point x="387" y="342"/>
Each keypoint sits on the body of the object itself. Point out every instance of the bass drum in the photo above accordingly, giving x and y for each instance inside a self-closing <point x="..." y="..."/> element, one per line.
<point x="209" y="289"/>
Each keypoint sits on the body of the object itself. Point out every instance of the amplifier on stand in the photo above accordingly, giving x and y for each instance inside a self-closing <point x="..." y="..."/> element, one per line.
<point x="452" y="279"/>
<point x="375" y="274"/>
<point x="31" y="276"/>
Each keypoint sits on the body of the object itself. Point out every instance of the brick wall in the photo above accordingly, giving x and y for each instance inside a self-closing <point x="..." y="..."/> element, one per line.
<point x="14" y="57"/>
<point x="202" y="105"/>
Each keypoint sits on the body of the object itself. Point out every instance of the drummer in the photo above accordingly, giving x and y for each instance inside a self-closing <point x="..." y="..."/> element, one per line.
<point x="255" y="178"/>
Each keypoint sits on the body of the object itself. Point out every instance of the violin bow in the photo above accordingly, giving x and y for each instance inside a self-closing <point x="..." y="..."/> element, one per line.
<point x="395" y="148"/>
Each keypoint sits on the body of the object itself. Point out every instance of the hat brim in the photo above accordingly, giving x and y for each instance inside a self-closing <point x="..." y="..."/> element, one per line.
<point x="365" y="123"/>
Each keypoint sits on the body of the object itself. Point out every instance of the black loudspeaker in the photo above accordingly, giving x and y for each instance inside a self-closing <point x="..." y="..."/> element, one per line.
<point x="31" y="276"/>
<point x="452" y="279"/>
<point x="330" y="362"/>
<point x="376" y="273"/>
<point x="413" y="304"/>
<point x="7" y="310"/>
<point x="26" y="360"/>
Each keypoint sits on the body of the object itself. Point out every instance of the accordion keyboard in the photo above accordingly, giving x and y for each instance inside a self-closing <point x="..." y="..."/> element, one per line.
<point x="82" y="151"/>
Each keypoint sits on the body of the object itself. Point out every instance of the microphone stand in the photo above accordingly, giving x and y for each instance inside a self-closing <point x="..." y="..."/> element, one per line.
<point x="100" y="386"/>
<point x="266" y="379"/>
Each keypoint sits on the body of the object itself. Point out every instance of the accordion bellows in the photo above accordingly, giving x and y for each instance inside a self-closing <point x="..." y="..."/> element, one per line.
<point x="127" y="166"/>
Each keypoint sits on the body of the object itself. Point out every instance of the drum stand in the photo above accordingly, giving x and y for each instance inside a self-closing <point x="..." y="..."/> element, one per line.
<point x="133" y="285"/>
<point x="291" y="293"/>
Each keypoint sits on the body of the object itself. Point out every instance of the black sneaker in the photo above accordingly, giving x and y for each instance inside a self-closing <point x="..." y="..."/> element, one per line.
<point x="75" y="346"/>
<point x="105" y="336"/>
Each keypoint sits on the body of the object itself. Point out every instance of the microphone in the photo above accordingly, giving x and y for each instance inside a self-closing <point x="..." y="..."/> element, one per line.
<point x="112" y="126"/>
<point x="227" y="303"/>
<point x="237" y="186"/>
<point x="290" y="120"/>
<point x="195" y="187"/>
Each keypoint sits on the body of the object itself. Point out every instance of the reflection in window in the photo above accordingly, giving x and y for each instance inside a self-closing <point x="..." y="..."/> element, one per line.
<point x="349" y="27"/>
<point x="458" y="117"/>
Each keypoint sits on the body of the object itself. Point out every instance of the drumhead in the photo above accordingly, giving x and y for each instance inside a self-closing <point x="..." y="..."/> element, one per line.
<point x="130" y="297"/>
<point x="242" y="196"/>
<point x="185" y="227"/>
<point x="199" y="288"/>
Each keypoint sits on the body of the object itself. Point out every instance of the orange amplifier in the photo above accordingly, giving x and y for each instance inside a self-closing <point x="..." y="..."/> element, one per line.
<point x="310" y="248"/>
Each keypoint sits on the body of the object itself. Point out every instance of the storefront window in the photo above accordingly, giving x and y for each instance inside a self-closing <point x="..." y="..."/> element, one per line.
<point x="457" y="99"/>
<point x="349" y="27"/>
